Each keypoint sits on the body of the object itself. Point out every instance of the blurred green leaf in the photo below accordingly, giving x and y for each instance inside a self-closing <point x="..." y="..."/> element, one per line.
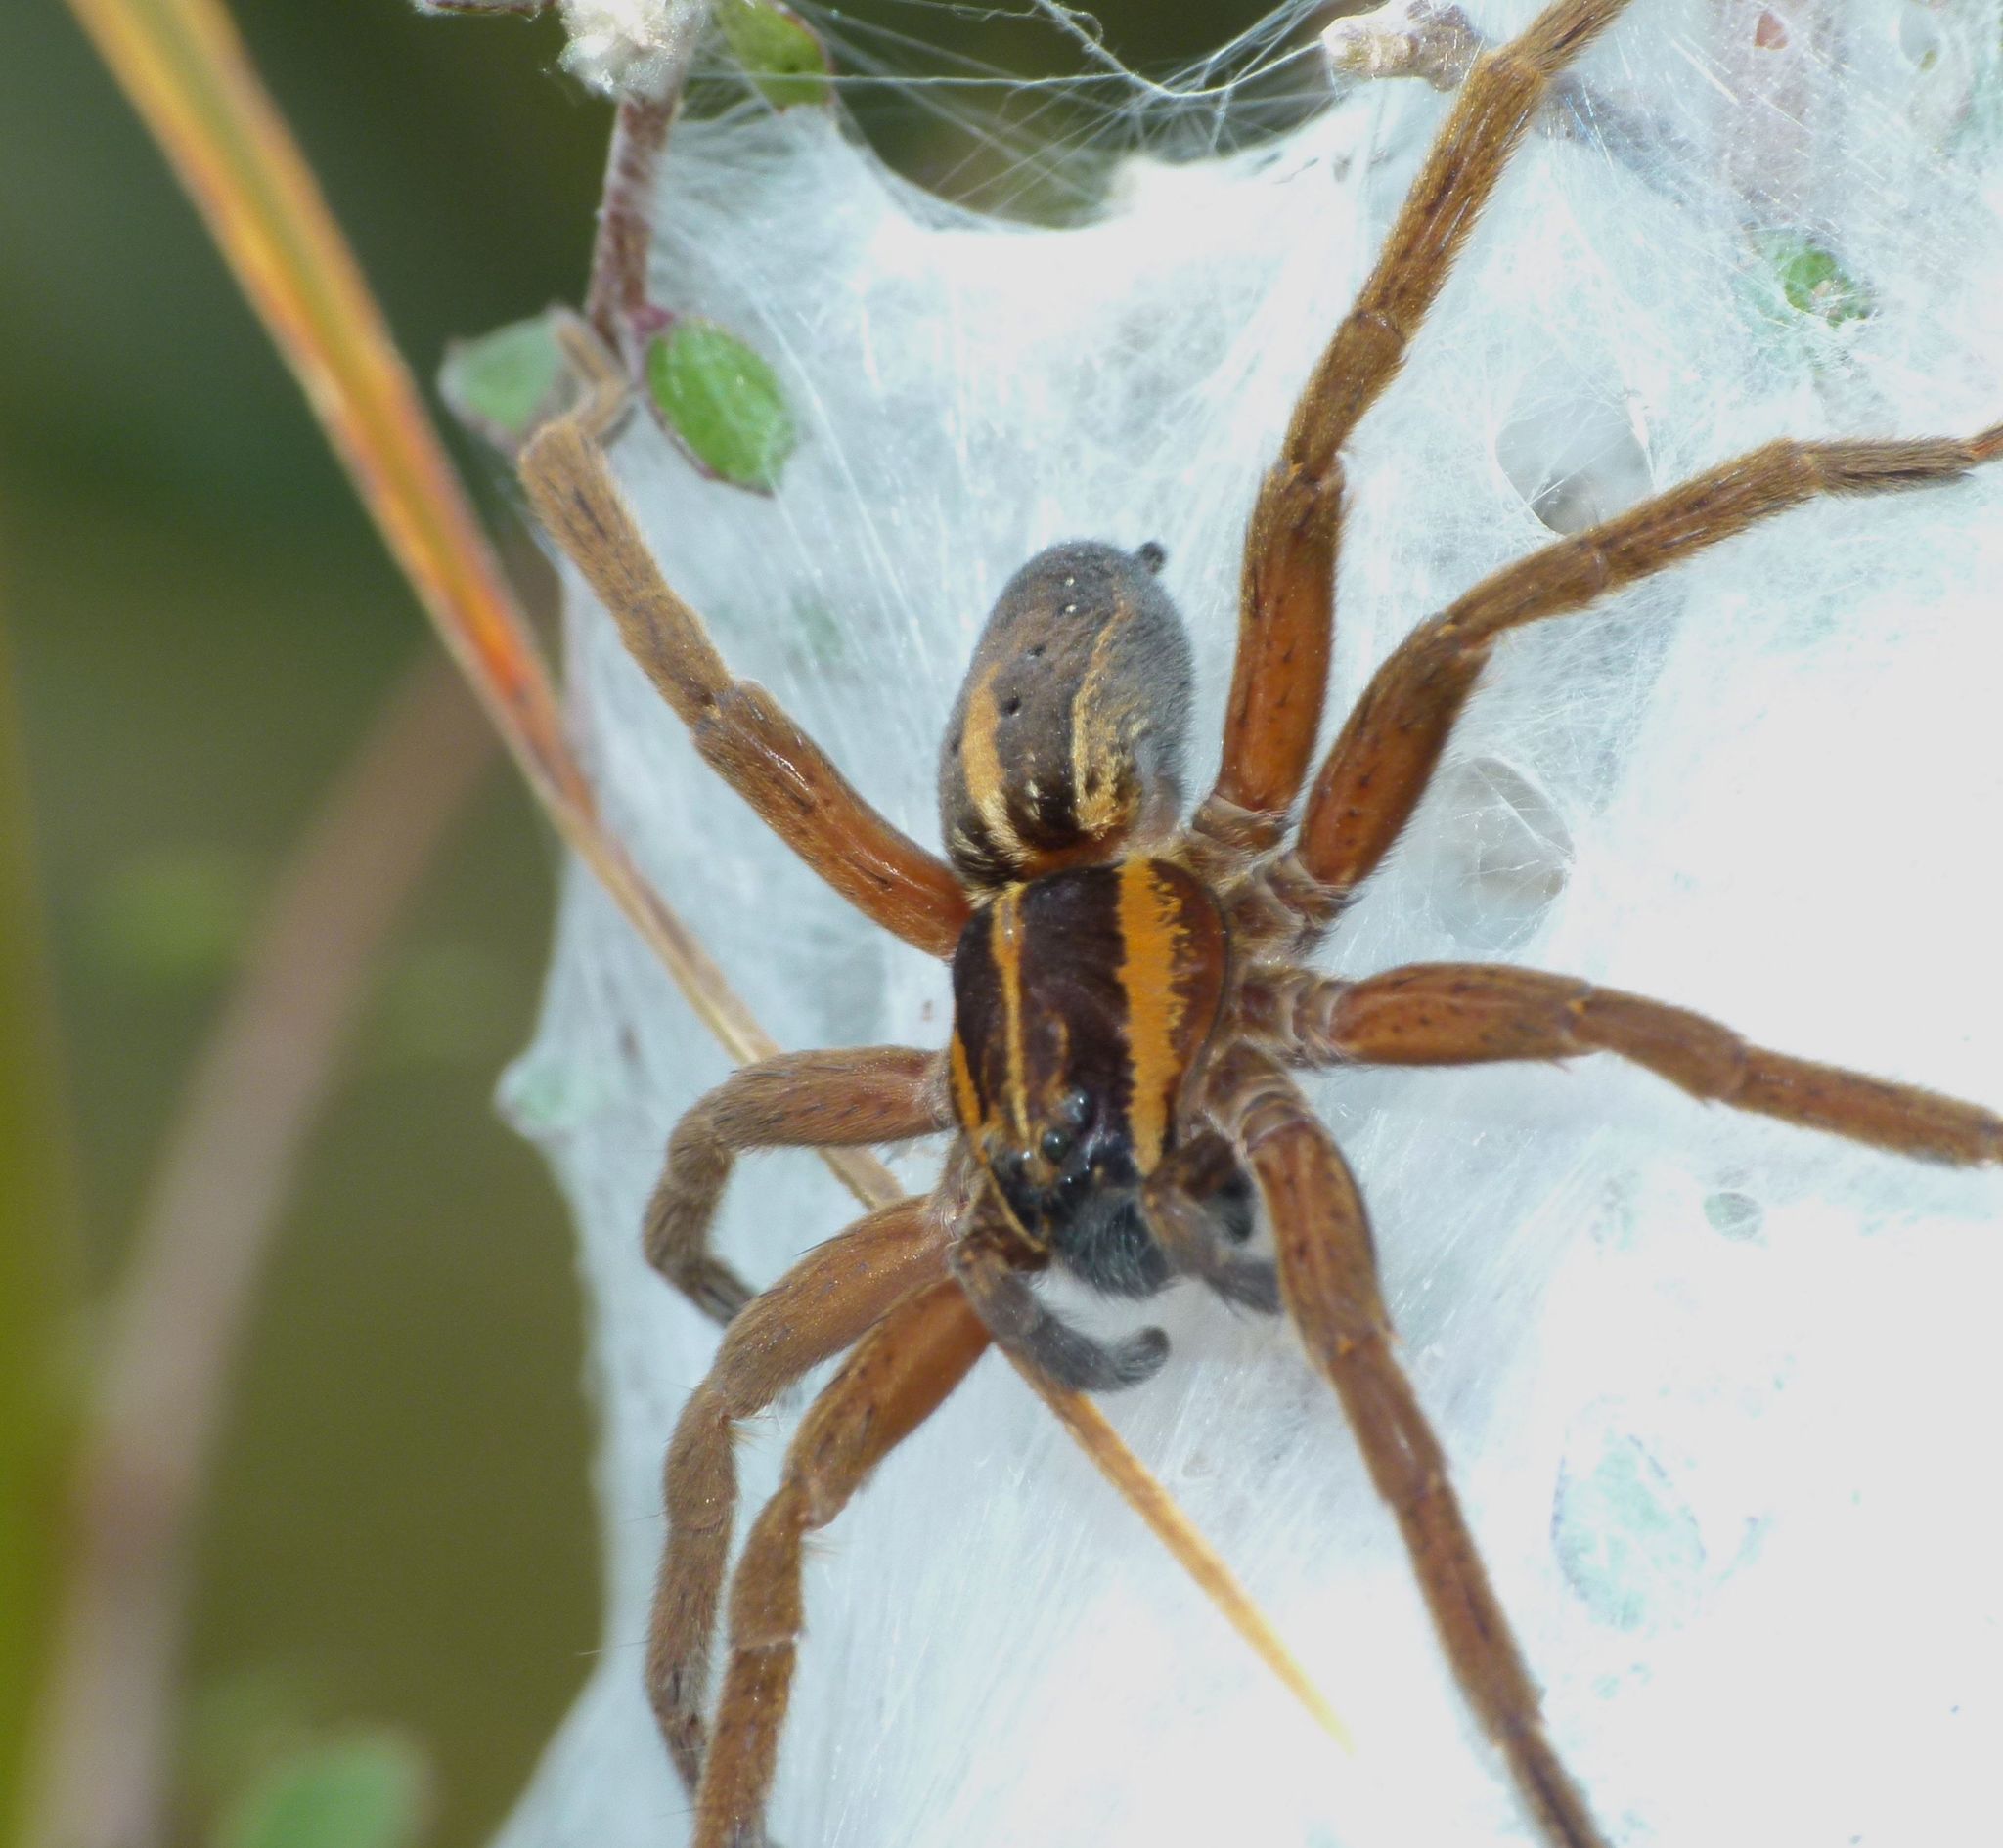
<point x="367" y="1791"/>
<point x="1812" y="281"/>
<point x="504" y="384"/>
<point x="173" y="915"/>
<point x="38" y="1281"/>
<point x="722" y="401"/>
<point x="238" y="1723"/>
<point x="781" y="53"/>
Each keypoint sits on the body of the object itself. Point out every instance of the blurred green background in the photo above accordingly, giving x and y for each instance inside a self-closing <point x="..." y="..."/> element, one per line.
<point x="197" y="625"/>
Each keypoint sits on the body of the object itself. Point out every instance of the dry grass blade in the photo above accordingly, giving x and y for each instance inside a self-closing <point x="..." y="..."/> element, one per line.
<point x="185" y="70"/>
<point x="1092" y="1434"/>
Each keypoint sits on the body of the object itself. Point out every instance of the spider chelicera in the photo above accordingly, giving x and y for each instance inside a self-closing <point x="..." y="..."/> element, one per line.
<point x="1131" y="991"/>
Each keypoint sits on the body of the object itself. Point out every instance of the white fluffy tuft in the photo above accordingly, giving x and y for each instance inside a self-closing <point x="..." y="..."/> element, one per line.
<point x="1720" y="1394"/>
<point x="631" y="47"/>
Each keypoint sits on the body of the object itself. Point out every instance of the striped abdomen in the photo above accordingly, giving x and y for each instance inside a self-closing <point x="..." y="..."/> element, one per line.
<point x="1082" y="1001"/>
<point x="1065" y="746"/>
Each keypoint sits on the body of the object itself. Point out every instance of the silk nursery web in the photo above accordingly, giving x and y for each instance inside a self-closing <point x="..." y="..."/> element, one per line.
<point x="1717" y="1392"/>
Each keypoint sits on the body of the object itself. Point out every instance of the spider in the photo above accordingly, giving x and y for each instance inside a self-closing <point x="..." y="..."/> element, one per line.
<point x="1133" y="992"/>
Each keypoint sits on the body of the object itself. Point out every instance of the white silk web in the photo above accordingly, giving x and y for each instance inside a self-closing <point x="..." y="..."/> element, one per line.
<point x="1720" y="1395"/>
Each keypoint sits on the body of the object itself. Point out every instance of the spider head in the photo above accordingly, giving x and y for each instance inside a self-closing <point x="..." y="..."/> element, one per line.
<point x="1075" y="1194"/>
<point x="1073" y="1145"/>
<point x="1065" y="746"/>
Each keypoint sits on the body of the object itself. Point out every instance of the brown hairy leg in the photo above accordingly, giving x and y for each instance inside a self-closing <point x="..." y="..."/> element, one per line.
<point x="1286" y="599"/>
<point x="821" y="1308"/>
<point x="821" y="1100"/>
<point x="900" y="1375"/>
<point x="1455" y="1013"/>
<point x="1179" y="1201"/>
<point x="1328" y="1279"/>
<point x="740" y="729"/>
<point x="1382" y="760"/>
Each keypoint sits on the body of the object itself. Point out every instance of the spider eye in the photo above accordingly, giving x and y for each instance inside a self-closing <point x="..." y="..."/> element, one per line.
<point x="1075" y="1109"/>
<point x="1057" y="1145"/>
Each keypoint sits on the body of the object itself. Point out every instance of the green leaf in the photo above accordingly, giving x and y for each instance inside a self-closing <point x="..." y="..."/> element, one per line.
<point x="366" y="1791"/>
<point x="1813" y="283"/>
<point x="780" y="52"/>
<point x="722" y="401"/>
<point x="504" y="384"/>
<point x="171" y="916"/>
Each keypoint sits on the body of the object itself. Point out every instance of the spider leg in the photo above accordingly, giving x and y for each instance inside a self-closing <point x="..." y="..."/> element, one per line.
<point x="1286" y="598"/>
<point x="1380" y="763"/>
<point x="838" y="1099"/>
<point x="826" y="1303"/>
<point x="1328" y="1276"/>
<point x="740" y="729"/>
<point x="1451" y="1013"/>
<point x="900" y="1373"/>
<point x="1197" y="1204"/>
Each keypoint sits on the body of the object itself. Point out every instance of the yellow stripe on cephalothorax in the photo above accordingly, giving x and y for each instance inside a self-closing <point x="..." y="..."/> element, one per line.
<point x="1149" y="926"/>
<point x="980" y="759"/>
<point x="967" y="1094"/>
<point x="1006" y="938"/>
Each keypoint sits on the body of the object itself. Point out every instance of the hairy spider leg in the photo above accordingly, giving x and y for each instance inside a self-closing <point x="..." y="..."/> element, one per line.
<point x="1179" y="1203"/>
<point x="1381" y="762"/>
<point x="1465" y="1013"/>
<point x="820" y="1308"/>
<point x="1328" y="1277"/>
<point x="900" y="1375"/>
<point x="1287" y="592"/>
<point x="738" y="727"/>
<point x="818" y="1100"/>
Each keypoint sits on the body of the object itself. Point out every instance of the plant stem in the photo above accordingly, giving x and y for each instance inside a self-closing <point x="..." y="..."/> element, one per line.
<point x="616" y="298"/>
<point x="214" y="1205"/>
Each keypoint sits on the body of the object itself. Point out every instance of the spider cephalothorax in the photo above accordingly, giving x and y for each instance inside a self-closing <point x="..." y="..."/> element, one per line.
<point x="1131" y="990"/>
<point x="1082" y="1002"/>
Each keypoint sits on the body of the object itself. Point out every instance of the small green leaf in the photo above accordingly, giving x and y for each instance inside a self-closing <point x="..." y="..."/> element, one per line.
<point x="1813" y="283"/>
<point x="722" y="401"/>
<point x="504" y="384"/>
<point x="366" y="1791"/>
<point x="780" y="52"/>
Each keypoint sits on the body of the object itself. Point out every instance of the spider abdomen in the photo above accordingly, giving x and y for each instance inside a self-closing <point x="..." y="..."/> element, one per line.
<point x="1066" y="742"/>
<point x="1082" y="1004"/>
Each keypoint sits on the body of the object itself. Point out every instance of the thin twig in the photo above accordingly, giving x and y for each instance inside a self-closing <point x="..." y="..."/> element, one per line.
<point x="213" y="1206"/>
<point x="616" y="299"/>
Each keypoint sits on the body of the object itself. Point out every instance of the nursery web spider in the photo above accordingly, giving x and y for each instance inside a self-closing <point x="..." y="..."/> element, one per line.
<point x="1131" y="991"/>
